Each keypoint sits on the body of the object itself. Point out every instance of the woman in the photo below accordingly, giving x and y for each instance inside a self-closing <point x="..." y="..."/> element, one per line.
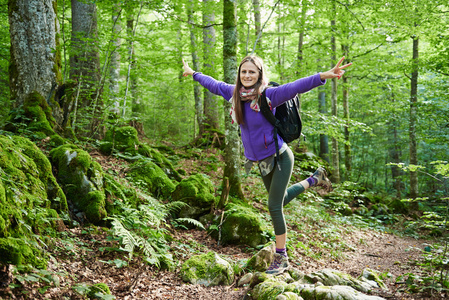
<point x="258" y="140"/>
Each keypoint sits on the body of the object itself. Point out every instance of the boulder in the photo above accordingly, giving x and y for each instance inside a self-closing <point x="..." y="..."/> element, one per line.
<point x="81" y="179"/>
<point x="198" y="192"/>
<point x="262" y="259"/>
<point x="337" y="292"/>
<point x="207" y="269"/>
<point x="329" y="277"/>
<point x="243" y="225"/>
<point x="147" y="175"/>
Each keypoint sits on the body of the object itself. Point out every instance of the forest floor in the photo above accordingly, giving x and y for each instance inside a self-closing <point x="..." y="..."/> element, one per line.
<point x="83" y="258"/>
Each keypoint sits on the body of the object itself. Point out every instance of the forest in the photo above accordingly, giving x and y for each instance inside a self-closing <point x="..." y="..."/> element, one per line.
<point x="119" y="175"/>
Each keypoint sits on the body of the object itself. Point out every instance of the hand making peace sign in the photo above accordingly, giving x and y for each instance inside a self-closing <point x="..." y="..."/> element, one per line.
<point x="336" y="71"/>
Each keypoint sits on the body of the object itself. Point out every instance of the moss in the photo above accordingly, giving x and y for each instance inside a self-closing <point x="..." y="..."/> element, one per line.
<point x="117" y="194"/>
<point x="28" y="190"/>
<point x="207" y="269"/>
<point x="39" y="113"/>
<point x="98" y="288"/>
<point x="122" y="138"/>
<point x="197" y="190"/>
<point x="148" y="175"/>
<point x="81" y="179"/>
<point x="56" y="140"/>
<point x="15" y="251"/>
<point x="243" y="226"/>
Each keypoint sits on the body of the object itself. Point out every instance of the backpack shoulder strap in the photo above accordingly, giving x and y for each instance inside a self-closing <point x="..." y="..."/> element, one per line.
<point x="265" y="109"/>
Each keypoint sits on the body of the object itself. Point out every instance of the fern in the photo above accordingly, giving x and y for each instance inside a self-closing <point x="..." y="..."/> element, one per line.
<point x="189" y="221"/>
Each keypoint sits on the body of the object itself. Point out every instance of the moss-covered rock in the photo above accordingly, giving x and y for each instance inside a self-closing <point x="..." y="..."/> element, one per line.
<point x="29" y="193"/>
<point x="331" y="277"/>
<point x="243" y="226"/>
<point x="81" y="179"/>
<point x="117" y="194"/>
<point x="198" y="192"/>
<point x="15" y="251"/>
<point x="98" y="290"/>
<point x="262" y="259"/>
<point x="207" y="269"/>
<point x="35" y="114"/>
<point x="270" y="289"/>
<point x="125" y="139"/>
<point x="149" y="176"/>
<point x="121" y="138"/>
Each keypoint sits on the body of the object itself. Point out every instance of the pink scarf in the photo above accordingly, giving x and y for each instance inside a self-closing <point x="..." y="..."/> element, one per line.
<point x="249" y="95"/>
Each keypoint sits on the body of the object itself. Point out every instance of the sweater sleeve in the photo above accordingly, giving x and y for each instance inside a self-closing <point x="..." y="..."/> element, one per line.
<point x="216" y="87"/>
<point x="282" y="93"/>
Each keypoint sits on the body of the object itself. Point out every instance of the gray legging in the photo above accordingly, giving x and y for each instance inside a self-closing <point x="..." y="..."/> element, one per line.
<point x="278" y="194"/>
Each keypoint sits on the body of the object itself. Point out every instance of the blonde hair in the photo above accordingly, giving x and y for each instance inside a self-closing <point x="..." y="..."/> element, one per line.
<point x="263" y="80"/>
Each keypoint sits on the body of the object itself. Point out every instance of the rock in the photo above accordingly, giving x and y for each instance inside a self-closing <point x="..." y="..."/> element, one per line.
<point x="270" y="289"/>
<point x="149" y="176"/>
<point x="243" y="226"/>
<point x="329" y="277"/>
<point x="81" y="179"/>
<point x="198" y="192"/>
<point x="373" y="279"/>
<point x="207" y="269"/>
<point x="289" y="296"/>
<point x="335" y="292"/>
<point x="98" y="291"/>
<point x="246" y="279"/>
<point x="262" y="259"/>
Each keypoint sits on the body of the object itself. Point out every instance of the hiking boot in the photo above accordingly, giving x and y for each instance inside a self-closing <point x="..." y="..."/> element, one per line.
<point x="278" y="266"/>
<point x="320" y="176"/>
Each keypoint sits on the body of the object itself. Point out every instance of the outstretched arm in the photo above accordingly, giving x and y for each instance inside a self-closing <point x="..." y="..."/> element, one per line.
<point x="336" y="71"/>
<point x="214" y="86"/>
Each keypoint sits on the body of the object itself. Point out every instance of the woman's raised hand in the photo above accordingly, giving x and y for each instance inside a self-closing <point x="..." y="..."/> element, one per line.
<point x="336" y="71"/>
<point x="187" y="70"/>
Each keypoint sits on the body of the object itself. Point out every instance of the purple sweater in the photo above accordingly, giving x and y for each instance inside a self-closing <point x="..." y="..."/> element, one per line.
<point x="257" y="132"/>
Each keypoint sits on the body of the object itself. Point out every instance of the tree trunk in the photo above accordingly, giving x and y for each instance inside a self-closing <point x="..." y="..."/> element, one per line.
<point x="345" y="99"/>
<point x="210" y="102"/>
<point x="394" y="150"/>
<point x="35" y="65"/>
<point x="195" y="65"/>
<point x="137" y="108"/>
<point x="413" y="118"/>
<point x="324" y="141"/>
<point x="335" y="157"/>
<point x="114" y="68"/>
<point x="232" y="140"/>
<point x="85" y="66"/>
<point x="258" y="26"/>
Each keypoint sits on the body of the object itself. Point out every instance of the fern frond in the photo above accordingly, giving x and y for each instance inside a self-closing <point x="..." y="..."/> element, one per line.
<point x="191" y="222"/>
<point x="175" y="206"/>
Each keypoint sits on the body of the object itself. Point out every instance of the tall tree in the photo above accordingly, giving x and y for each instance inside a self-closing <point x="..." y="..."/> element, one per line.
<point x="258" y="26"/>
<point x="413" y="118"/>
<point x="196" y="66"/>
<point x="335" y="153"/>
<point x="345" y="100"/>
<point x="232" y="150"/>
<point x="85" y="65"/>
<point x="35" y="65"/>
<point x="114" y="68"/>
<point x="137" y="107"/>
<point x="210" y="102"/>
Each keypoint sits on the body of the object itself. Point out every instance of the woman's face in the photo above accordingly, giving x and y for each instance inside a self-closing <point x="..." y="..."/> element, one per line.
<point x="249" y="74"/>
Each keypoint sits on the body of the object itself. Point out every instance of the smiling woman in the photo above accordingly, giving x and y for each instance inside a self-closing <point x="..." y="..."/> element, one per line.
<point x="259" y="142"/>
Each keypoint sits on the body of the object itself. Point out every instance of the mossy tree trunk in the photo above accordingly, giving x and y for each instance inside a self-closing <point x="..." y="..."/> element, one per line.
<point x="35" y="66"/>
<point x="137" y="107"/>
<point x="232" y="150"/>
<point x="85" y="68"/>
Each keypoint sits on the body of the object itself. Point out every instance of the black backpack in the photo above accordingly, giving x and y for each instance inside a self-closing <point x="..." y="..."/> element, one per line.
<point x="287" y="121"/>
